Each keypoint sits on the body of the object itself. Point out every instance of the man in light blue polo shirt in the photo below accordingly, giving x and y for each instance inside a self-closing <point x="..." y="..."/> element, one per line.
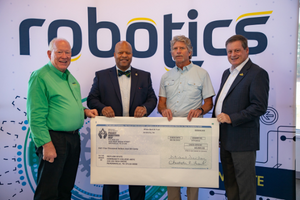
<point x="182" y="93"/>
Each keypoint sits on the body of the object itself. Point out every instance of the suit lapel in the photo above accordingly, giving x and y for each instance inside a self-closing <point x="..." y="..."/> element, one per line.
<point x="115" y="82"/>
<point x="134" y="82"/>
<point x="224" y="78"/>
<point x="240" y="76"/>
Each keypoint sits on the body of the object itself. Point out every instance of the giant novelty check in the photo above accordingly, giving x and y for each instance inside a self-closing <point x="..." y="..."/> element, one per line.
<point x="154" y="151"/>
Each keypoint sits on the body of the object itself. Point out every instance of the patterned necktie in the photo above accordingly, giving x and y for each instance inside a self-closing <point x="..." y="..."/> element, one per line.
<point x="127" y="73"/>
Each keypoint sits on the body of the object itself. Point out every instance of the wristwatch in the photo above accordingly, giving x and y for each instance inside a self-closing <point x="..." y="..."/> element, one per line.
<point x="202" y="111"/>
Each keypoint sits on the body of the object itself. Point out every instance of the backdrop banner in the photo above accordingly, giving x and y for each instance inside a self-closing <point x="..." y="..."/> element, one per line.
<point x="94" y="27"/>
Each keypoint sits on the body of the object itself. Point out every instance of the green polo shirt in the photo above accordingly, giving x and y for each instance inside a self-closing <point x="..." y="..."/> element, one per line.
<point x="53" y="103"/>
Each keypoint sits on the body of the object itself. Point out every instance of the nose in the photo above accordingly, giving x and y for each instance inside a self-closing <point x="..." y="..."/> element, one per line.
<point x="64" y="55"/>
<point x="124" y="54"/>
<point x="233" y="53"/>
<point x="178" y="51"/>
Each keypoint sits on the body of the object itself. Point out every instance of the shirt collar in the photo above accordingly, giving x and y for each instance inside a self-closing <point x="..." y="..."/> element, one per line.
<point x="240" y="67"/>
<point x="63" y="75"/>
<point x="129" y="68"/>
<point x="185" y="68"/>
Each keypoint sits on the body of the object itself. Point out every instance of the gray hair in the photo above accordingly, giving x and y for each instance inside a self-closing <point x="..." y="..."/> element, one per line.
<point x="185" y="40"/>
<point x="51" y="44"/>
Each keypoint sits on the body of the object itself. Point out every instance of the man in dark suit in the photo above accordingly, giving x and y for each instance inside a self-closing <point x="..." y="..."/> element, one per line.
<point x="122" y="91"/>
<point x="241" y="100"/>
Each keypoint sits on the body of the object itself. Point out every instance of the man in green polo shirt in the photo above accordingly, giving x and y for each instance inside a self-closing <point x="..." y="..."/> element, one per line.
<point x="55" y="113"/>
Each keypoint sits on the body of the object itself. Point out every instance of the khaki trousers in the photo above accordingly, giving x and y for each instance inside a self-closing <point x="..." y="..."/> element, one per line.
<point x="174" y="193"/>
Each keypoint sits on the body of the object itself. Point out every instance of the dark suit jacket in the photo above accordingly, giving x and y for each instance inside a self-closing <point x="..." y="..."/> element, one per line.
<point x="106" y="92"/>
<point x="245" y="102"/>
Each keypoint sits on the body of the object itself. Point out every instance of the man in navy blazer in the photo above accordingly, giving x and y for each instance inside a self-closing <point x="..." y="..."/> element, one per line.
<point x="241" y="100"/>
<point x="122" y="91"/>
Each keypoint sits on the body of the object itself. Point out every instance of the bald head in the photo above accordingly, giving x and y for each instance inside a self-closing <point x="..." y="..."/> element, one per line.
<point x="123" y="43"/>
<point x="55" y="41"/>
<point x="123" y="55"/>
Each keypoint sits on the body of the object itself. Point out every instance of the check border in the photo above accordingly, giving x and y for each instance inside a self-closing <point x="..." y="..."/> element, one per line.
<point x="161" y="176"/>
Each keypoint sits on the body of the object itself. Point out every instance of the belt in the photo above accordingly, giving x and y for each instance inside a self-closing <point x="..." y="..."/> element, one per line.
<point x="69" y="132"/>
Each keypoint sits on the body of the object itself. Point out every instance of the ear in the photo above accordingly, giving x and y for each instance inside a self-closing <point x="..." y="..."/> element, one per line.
<point x="49" y="54"/>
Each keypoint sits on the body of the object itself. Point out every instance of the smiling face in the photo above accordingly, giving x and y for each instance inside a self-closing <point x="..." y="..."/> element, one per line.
<point x="123" y="55"/>
<point x="60" y="55"/>
<point x="181" y="54"/>
<point x="236" y="54"/>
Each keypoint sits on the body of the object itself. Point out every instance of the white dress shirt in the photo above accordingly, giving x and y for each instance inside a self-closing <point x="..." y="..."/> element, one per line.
<point x="233" y="74"/>
<point x="125" y="85"/>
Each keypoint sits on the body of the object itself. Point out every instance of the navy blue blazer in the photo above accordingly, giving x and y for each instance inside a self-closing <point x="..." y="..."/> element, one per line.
<point x="245" y="102"/>
<point x="105" y="91"/>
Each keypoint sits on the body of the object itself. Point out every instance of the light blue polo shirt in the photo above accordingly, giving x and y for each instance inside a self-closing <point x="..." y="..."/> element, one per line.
<point x="185" y="89"/>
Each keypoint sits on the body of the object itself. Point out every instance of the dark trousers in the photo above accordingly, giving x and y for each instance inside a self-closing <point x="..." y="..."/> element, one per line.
<point x="111" y="192"/>
<point x="239" y="174"/>
<point x="56" y="180"/>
